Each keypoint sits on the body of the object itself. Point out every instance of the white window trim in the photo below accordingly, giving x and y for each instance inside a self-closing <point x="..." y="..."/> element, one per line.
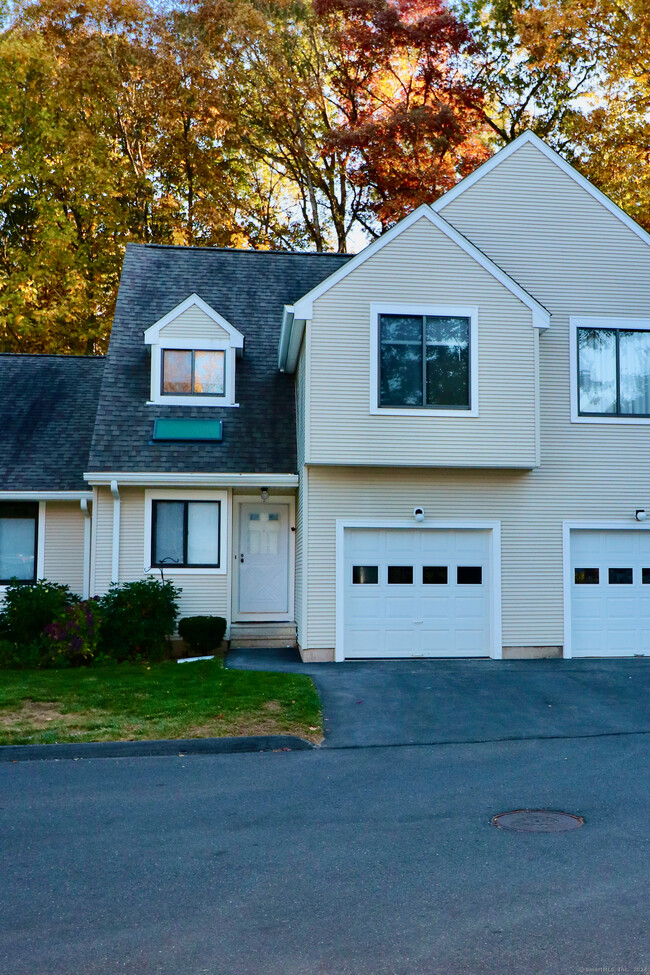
<point x="180" y="494"/>
<point x="159" y="398"/>
<point x="494" y="527"/>
<point x="585" y="321"/>
<point x="40" y="540"/>
<point x="406" y="308"/>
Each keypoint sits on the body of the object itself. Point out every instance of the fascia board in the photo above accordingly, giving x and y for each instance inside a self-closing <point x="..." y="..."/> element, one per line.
<point x="285" y="336"/>
<point x="529" y="138"/>
<point x="303" y="308"/>
<point x="190" y="479"/>
<point x="152" y="334"/>
<point x="45" y="495"/>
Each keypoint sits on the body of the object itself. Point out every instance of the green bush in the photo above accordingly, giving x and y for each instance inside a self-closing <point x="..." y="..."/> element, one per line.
<point x="73" y="639"/>
<point x="137" y="618"/>
<point x="14" y="656"/>
<point x="203" y="633"/>
<point x="28" y="609"/>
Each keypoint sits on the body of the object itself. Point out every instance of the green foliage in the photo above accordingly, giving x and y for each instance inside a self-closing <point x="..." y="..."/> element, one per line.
<point x="28" y="609"/>
<point x="203" y="633"/>
<point x="73" y="639"/>
<point x="16" y="656"/>
<point x="137" y="619"/>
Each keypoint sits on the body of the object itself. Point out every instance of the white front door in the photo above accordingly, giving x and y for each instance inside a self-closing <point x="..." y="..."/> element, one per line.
<point x="263" y="561"/>
<point x="417" y="593"/>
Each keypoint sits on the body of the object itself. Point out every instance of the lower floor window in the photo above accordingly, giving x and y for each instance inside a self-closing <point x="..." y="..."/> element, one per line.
<point x="186" y="533"/>
<point x="18" y="539"/>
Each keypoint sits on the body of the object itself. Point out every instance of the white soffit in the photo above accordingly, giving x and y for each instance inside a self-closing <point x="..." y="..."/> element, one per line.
<point x="529" y="138"/>
<point x="152" y="334"/>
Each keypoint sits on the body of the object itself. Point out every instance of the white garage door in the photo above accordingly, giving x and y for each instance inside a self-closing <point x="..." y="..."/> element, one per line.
<point x="417" y="592"/>
<point x="610" y="593"/>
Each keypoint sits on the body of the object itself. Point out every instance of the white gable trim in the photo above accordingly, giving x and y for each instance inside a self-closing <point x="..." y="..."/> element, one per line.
<point x="303" y="309"/>
<point x="529" y="138"/>
<point x="152" y="334"/>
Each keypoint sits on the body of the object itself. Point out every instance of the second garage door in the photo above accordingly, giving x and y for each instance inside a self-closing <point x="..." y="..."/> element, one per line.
<point x="417" y="592"/>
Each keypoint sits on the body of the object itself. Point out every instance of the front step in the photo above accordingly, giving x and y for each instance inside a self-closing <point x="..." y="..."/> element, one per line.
<point x="251" y="636"/>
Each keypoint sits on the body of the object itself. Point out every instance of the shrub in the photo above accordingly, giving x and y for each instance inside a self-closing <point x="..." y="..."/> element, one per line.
<point x="137" y="618"/>
<point x="203" y="633"/>
<point x="17" y="656"/>
<point x="72" y="640"/>
<point x="29" y="608"/>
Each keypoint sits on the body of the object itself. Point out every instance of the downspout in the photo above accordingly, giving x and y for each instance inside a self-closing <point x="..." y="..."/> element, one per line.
<point x="85" y="509"/>
<point x="115" y="566"/>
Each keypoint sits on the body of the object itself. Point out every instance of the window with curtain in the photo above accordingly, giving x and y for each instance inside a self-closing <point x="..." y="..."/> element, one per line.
<point x="185" y="534"/>
<point x="18" y="540"/>
<point x="424" y="361"/>
<point x="613" y="372"/>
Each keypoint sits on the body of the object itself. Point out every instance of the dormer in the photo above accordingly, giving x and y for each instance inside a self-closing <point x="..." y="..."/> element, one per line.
<point x="193" y="355"/>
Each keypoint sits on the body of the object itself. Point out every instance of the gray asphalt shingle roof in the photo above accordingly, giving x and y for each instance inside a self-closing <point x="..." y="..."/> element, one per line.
<point x="249" y="289"/>
<point x="48" y="405"/>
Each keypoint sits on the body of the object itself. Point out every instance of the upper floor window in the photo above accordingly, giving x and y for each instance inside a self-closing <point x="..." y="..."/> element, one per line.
<point x="18" y="540"/>
<point x="194" y="372"/>
<point x="613" y="370"/>
<point x="426" y="360"/>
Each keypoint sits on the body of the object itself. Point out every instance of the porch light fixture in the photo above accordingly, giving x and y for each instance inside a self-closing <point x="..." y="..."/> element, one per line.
<point x="264" y="494"/>
<point x="640" y="514"/>
<point x="418" y="514"/>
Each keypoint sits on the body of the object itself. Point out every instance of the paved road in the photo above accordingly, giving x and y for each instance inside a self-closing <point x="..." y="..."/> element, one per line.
<point x="389" y="702"/>
<point x="376" y="861"/>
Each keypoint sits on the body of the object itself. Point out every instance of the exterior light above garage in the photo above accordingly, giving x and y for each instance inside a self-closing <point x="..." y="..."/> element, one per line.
<point x="418" y="513"/>
<point x="640" y="514"/>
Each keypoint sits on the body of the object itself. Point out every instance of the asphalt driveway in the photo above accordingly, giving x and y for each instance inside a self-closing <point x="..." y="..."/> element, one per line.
<point x="421" y="702"/>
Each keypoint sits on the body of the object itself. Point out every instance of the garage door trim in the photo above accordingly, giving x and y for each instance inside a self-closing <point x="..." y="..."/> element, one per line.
<point x="567" y="528"/>
<point x="494" y="527"/>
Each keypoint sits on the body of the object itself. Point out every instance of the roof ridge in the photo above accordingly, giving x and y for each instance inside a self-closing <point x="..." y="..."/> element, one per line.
<point x="239" y="250"/>
<point x="48" y="355"/>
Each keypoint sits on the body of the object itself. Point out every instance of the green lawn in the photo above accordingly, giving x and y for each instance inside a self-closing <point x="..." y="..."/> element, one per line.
<point x="167" y="700"/>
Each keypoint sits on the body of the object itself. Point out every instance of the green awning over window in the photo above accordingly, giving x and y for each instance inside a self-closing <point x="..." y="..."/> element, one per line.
<point x="187" y="428"/>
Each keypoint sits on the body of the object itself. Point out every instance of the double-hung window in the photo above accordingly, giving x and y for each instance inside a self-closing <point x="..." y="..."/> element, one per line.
<point x="18" y="541"/>
<point x="185" y="534"/>
<point x="613" y="370"/>
<point x="424" y="361"/>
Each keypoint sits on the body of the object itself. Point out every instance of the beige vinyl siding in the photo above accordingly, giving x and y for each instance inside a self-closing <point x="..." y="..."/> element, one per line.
<point x="530" y="506"/>
<point x="193" y="326"/>
<point x="201" y="593"/>
<point x="63" y="556"/>
<point x="421" y="266"/>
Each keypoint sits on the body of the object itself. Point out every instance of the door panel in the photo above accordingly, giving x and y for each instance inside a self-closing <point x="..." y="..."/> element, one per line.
<point x="263" y="560"/>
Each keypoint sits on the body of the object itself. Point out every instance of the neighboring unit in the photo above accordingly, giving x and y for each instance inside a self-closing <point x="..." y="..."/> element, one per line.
<point x="438" y="447"/>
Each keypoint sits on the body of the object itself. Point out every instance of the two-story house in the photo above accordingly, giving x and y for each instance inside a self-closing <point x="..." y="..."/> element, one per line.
<point x="437" y="447"/>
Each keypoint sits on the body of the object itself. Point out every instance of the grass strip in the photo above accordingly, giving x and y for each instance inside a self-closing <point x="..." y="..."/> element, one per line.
<point x="132" y="702"/>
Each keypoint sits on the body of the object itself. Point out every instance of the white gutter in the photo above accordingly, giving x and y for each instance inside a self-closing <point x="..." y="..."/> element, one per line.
<point x="156" y="479"/>
<point x="115" y="564"/>
<point x="291" y="335"/>
<point x="87" y="525"/>
<point x="45" y="495"/>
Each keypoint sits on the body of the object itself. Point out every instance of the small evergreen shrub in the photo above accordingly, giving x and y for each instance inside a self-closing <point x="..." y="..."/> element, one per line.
<point x="203" y="633"/>
<point x="13" y="656"/>
<point x="137" y="619"/>
<point x="73" y="639"/>
<point x="28" y="609"/>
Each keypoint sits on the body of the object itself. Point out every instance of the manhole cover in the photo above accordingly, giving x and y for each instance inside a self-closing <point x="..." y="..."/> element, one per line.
<point x="537" y="821"/>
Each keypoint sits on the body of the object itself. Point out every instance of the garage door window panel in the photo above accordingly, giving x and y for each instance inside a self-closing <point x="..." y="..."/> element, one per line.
<point x="621" y="577"/>
<point x="400" y="575"/>
<point x="365" y="575"/>
<point x="469" y="575"/>
<point x="587" y="577"/>
<point x="435" y="575"/>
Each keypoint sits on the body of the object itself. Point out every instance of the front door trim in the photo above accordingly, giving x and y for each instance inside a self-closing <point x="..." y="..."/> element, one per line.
<point x="494" y="527"/>
<point x="237" y="502"/>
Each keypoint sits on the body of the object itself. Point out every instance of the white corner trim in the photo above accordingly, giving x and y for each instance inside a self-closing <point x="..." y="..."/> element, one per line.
<point x="408" y="308"/>
<point x="115" y="552"/>
<point x="176" y="494"/>
<point x="154" y="478"/>
<point x="529" y="138"/>
<point x="40" y="541"/>
<point x="599" y="321"/>
<point x="152" y="334"/>
<point x="303" y="309"/>
<point x="85" y="510"/>
<point x="567" y="528"/>
<point x="496" y="639"/>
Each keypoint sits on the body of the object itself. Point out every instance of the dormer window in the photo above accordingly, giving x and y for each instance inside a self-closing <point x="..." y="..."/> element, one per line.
<point x="194" y="372"/>
<point x="193" y="356"/>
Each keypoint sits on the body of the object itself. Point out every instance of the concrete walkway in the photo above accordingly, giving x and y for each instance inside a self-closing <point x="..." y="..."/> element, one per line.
<point x="405" y="702"/>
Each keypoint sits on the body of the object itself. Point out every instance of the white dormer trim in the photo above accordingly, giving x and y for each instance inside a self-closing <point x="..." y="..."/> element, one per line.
<point x="231" y="344"/>
<point x="295" y="315"/>
<point x="529" y="138"/>
<point x="152" y="334"/>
